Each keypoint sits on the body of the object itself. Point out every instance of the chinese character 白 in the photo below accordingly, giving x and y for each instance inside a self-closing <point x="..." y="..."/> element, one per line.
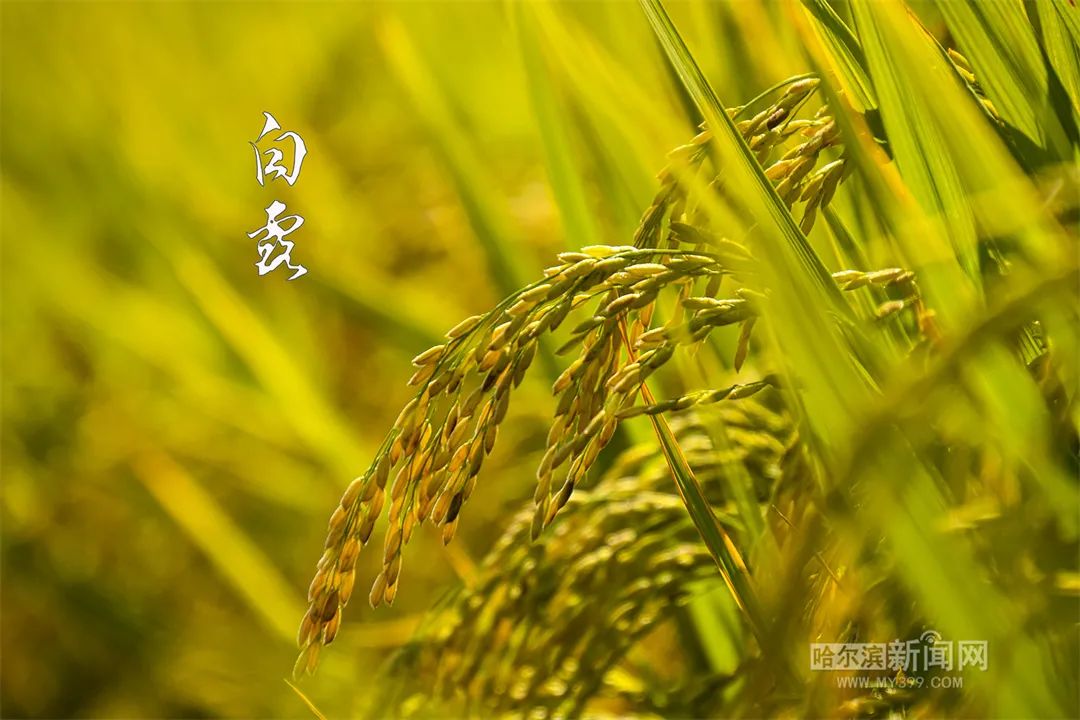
<point x="276" y="229"/>
<point x="272" y="168"/>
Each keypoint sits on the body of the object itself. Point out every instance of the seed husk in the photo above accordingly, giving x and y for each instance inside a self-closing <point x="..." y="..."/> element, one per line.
<point x="429" y="356"/>
<point x="465" y="326"/>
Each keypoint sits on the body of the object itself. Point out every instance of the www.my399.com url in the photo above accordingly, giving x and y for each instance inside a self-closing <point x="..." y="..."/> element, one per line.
<point x="863" y="682"/>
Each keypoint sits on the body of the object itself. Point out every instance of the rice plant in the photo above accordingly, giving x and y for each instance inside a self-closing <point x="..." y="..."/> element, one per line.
<point x="849" y="319"/>
<point x="745" y="338"/>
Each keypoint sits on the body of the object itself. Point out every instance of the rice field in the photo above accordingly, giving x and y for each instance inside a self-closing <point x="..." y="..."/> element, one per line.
<point x="650" y="359"/>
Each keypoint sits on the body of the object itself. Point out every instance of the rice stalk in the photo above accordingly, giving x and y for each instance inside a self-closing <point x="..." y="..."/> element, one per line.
<point x="537" y="633"/>
<point x="433" y="455"/>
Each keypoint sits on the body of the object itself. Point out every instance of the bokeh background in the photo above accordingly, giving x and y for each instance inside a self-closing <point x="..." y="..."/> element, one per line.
<point x="176" y="429"/>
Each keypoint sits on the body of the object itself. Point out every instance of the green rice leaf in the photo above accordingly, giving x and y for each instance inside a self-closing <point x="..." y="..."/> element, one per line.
<point x="804" y="295"/>
<point x="918" y="144"/>
<point x="997" y="39"/>
<point x="716" y="117"/>
<point x="487" y="217"/>
<point x="563" y="177"/>
<point x="235" y="556"/>
<point x="845" y="53"/>
<point x="713" y="535"/>
<point x="486" y="213"/>
<point x="1058" y="28"/>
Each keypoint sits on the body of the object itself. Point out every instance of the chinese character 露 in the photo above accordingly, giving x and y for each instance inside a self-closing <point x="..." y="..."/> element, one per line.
<point x="277" y="229"/>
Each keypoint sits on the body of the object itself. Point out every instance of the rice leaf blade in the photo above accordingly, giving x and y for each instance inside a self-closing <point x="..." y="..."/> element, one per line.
<point x="239" y="560"/>
<point x="486" y="216"/>
<point x="918" y="146"/>
<point x="712" y="534"/>
<point x="848" y="59"/>
<point x="997" y="39"/>
<point x="1058" y="27"/>
<point x="805" y="299"/>
<point x="564" y="178"/>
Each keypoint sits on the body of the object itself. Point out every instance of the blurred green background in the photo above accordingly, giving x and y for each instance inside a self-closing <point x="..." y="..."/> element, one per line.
<point x="176" y="428"/>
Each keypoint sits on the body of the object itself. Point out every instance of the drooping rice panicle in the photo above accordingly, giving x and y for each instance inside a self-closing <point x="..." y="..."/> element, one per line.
<point x="619" y="560"/>
<point x="429" y="464"/>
